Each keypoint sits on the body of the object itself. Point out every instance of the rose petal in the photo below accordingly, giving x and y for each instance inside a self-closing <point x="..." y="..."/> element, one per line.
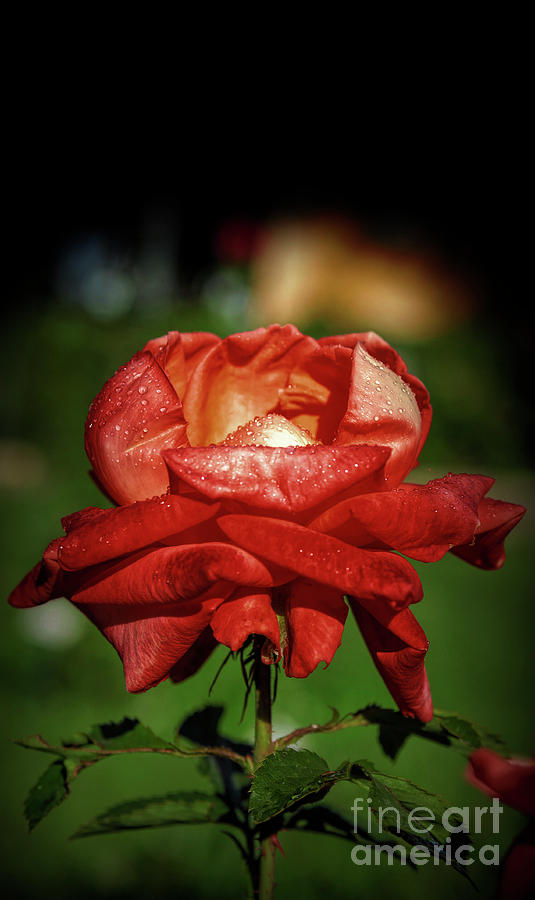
<point x="382" y="351"/>
<point x="517" y="878"/>
<point x="422" y="521"/>
<point x="44" y="582"/>
<point x="513" y="781"/>
<point x="382" y="410"/>
<point x="240" y="378"/>
<point x="116" y="532"/>
<point x="316" y="396"/>
<point x="180" y="353"/>
<point x="79" y="518"/>
<point x="497" y="518"/>
<point x="243" y="614"/>
<point x="150" y="644"/>
<point x="385" y="582"/>
<point x="282" y="479"/>
<point x="195" y="657"/>
<point x="169" y="574"/>
<point x="135" y="416"/>
<point x="315" y="620"/>
<point x="398" y="652"/>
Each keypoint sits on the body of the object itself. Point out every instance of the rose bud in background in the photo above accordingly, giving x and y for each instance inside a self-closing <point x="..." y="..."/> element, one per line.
<point x="513" y="782"/>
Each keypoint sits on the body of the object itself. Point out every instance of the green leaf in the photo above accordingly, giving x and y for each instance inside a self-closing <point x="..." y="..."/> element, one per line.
<point x="391" y="740"/>
<point x="129" y="734"/>
<point x="50" y="790"/>
<point x="468" y="733"/>
<point x="392" y="800"/>
<point x="461" y="729"/>
<point x="390" y="807"/>
<point x="321" y="820"/>
<point x="202" y="728"/>
<point x="227" y="776"/>
<point x="182" y="808"/>
<point x="288" y="777"/>
<point x="448" y="729"/>
<point x="84" y="749"/>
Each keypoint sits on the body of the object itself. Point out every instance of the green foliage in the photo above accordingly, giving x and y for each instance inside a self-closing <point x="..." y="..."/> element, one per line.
<point x="449" y="729"/>
<point x="85" y="749"/>
<point x="401" y="796"/>
<point x="283" y="793"/>
<point x="468" y="733"/>
<point x="76" y="754"/>
<point x="129" y="734"/>
<point x="287" y="777"/>
<point x="50" y="790"/>
<point x="181" y="808"/>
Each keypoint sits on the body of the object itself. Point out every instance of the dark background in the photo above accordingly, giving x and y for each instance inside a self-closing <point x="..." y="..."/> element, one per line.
<point x="464" y="193"/>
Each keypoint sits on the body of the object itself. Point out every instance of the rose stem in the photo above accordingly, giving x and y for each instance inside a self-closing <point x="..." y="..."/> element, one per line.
<point x="261" y="749"/>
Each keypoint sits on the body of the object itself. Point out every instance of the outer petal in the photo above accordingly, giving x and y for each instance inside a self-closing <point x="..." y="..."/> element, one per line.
<point x="243" y="614"/>
<point x="382" y="351"/>
<point x="42" y="583"/>
<point x="115" y="532"/>
<point x="512" y="780"/>
<point x="398" y="652"/>
<point x="81" y="516"/>
<point x="315" y="620"/>
<point x="135" y="416"/>
<point x="282" y="479"/>
<point x="384" y="582"/>
<point x="422" y="521"/>
<point x="517" y="879"/>
<point x="382" y="410"/>
<point x="195" y="657"/>
<point x="151" y="644"/>
<point x="240" y="378"/>
<point x="170" y="574"/>
<point x="496" y="521"/>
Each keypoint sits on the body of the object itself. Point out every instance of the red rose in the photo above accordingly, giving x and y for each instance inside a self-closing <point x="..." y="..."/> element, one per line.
<point x="513" y="781"/>
<point x="258" y="480"/>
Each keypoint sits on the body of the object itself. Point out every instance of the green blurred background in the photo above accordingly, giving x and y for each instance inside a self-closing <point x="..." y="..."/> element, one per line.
<point x="95" y="270"/>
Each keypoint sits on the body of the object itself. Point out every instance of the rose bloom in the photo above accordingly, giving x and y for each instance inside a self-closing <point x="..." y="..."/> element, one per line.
<point x="513" y="781"/>
<point x="258" y="481"/>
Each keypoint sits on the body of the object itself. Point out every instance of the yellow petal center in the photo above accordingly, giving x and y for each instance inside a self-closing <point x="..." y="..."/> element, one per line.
<point x="272" y="430"/>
